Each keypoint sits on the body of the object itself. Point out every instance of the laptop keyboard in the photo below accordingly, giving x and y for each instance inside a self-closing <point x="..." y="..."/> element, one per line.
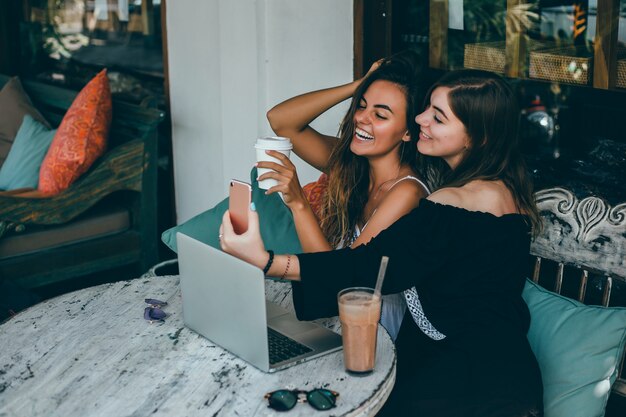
<point x="282" y="347"/>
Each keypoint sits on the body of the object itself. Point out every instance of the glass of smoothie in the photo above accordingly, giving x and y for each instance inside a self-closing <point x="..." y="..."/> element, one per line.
<point x="359" y="312"/>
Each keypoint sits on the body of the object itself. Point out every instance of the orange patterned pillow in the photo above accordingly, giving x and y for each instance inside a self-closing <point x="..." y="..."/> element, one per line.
<point x="80" y="139"/>
<point x="314" y="193"/>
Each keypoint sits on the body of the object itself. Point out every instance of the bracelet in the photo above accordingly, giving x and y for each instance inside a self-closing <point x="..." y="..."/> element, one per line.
<point x="268" y="265"/>
<point x="287" y="267"/>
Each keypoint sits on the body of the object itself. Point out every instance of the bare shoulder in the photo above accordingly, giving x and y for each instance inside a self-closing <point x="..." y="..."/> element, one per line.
<point x="407" y="187"/>
<point x="485" y="196"/>
<point x="448" y="197"/>
<point x="399" y="200"/>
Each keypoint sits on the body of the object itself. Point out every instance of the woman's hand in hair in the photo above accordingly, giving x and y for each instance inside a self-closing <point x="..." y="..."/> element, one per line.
<point x="287" y="178"/>
<point x="374" y="66"/>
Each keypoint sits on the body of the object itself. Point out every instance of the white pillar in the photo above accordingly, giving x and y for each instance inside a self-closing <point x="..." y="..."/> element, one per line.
<point x="229" y="62"/>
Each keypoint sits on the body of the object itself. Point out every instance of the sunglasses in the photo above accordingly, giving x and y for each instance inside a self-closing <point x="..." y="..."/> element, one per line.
<point x="284" y="399"/>
<point x="154" y="312"/>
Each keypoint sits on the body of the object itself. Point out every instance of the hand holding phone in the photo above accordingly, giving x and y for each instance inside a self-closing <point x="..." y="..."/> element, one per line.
<point x="240" y="197"/>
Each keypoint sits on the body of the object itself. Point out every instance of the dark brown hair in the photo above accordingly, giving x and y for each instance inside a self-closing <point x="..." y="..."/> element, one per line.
<point x="348" y="174"/>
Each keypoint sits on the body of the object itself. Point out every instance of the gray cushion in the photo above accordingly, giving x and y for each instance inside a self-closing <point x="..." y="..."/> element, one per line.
<point x="15" y="104"/>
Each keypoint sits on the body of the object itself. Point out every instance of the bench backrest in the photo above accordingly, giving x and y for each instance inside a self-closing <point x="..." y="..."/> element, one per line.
<point x="129" y="121"/>
<point x="581" y="252"/>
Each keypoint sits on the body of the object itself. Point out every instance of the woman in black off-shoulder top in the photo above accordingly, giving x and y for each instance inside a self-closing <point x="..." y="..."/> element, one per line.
<point x="458" y="257"/>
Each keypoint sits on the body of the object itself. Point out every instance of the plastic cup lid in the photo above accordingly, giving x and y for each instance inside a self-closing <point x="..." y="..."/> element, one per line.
<point x="273" y="142"/>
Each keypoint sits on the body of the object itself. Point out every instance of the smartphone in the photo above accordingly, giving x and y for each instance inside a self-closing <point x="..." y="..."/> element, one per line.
<point x="240" y="196"/>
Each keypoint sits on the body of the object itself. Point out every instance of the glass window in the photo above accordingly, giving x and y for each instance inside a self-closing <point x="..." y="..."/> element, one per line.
<point x="621" y="47"/>
<point x="67" y="42"/>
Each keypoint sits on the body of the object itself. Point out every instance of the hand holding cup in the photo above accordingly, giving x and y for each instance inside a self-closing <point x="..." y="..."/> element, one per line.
<point x="286" y="178"/>
<point x="272" y="143"/>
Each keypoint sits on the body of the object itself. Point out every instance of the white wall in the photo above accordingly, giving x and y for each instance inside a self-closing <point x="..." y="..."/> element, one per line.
<point x="229" y="62"/>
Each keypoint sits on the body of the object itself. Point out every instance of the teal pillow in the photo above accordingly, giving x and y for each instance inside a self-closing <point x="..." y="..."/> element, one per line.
<point x="21" y="168"/>
<point x="276" y="223"/>
<point x="578" y="348"/>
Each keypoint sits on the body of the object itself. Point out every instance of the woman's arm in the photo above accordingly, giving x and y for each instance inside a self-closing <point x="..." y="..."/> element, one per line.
<point x="310" y="234"/>
<point x="347" y="267"/>
<point x="249" y="247"/>
<point x="292" y="119"/>
<point x="307" y="225"/>
<point x="399" y="201"/>
<point x="319" y="276"/>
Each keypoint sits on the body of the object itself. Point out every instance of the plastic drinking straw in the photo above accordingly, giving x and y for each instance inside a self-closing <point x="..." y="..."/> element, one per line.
<point x="381" y="275"/>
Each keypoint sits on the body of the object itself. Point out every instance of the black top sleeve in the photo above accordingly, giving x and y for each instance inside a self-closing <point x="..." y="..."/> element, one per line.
<point x="416" y="246"/>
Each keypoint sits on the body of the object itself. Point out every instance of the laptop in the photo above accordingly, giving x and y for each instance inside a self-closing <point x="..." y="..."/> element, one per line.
<point x="224" y="301"/>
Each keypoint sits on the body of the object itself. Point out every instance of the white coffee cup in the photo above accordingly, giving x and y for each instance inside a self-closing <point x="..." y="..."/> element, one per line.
<point x="271" y="143"/>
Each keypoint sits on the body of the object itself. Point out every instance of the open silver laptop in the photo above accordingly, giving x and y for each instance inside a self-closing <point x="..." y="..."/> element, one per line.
<point x="224" y="301"/>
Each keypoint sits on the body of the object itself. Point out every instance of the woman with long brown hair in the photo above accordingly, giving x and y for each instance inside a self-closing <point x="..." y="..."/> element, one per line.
<point x="372" y="167"/>
<point x="460" y="258"/>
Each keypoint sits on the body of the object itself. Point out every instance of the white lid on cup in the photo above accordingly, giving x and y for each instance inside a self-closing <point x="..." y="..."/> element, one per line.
<point x="275" y="143"/>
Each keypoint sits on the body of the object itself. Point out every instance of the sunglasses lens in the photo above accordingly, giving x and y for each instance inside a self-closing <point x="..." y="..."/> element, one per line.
<point x="154" y="314"/>
<point x="321" y="399"/>
<point x="282" y="400"/>
<point x="155" y="302"/>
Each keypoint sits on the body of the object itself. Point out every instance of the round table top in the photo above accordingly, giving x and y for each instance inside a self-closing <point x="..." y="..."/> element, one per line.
<point x="91" y="353"/>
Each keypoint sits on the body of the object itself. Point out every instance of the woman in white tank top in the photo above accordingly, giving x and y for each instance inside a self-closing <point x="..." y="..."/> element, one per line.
<point x="368" y="165"/>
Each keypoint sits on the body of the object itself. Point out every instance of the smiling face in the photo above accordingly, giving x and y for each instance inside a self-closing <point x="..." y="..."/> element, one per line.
<point x="380" y="120"/>
<point x="442" y="134"/>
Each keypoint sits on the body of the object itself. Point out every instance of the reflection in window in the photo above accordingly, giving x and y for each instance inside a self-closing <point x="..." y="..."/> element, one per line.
<point x="68" y="41"/>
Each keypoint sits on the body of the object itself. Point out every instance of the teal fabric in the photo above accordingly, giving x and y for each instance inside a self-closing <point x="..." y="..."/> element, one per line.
<point x="276" y="223"/>
<point x="578" y="348"/>
<point x="21" y="168"/>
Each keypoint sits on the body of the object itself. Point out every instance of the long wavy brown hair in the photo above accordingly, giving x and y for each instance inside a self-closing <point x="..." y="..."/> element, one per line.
<point x="487" y="106"/>
<point x="349" y="180"/>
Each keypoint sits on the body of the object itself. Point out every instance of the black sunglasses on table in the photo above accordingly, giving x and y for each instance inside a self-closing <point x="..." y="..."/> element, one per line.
<point x="284" y="399"/>
<point x="154" y="312"/>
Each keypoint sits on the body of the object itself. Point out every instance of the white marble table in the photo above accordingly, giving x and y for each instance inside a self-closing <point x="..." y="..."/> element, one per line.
<point x="91" y="353"/>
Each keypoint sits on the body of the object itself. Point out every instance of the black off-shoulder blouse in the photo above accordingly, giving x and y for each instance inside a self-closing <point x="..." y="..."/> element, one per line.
<point x="468" y="271"/>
